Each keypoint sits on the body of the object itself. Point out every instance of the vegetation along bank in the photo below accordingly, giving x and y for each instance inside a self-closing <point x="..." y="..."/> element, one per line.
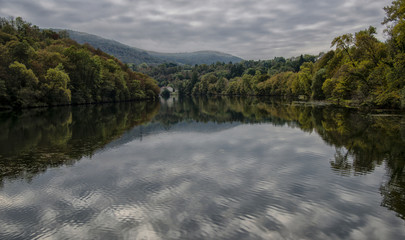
<point x="360" y="71"/>
<point x="45" y="68"/>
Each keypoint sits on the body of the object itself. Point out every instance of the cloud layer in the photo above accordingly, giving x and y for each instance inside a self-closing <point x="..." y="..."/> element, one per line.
<point x="258" y="29"/>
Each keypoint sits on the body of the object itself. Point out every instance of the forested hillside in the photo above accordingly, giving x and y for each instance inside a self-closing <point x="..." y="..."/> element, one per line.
<point x="193" y="58"/>
<point x="121" y="51"/>
<point x="41" y="67"/>
<point x="361" y="71"/>
<point x="45" y="68"/>
<point x="138" y="56"/>
<point x="216" y="78"/>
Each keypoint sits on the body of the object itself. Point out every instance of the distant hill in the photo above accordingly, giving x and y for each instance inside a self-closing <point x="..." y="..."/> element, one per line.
<point x="134" y="55"/>
<point x="121" y="51"/>
<point x="200" y="57"/>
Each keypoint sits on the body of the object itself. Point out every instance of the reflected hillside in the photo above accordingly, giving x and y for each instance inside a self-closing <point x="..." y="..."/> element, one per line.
<point x="34" y="140"/>
<point x="217" y="110"/>
<point x="362" y="140"/>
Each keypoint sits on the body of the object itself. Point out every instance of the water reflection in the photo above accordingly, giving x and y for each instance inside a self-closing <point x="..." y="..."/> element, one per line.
<point x="34" y="140"/>
<point x="200" y="168"/>
<point x="362" y="141"/>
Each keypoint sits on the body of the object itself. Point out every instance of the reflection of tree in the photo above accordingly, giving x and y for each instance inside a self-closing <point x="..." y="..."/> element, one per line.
<point x="341" y="163"/>
<point x="35" y="140"/>
<point x="362" y="141"/>
<point x="393" y="191"/>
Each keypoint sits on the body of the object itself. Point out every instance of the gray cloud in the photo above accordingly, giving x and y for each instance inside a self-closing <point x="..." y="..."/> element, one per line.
<point x="249" y="29"/>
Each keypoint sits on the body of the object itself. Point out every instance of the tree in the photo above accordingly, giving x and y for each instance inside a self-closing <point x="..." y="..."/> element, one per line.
<point x="344" y="43"/>
<point x="23" y="85"/>
<point x="395" y="21"/>
<point x="305" y="79"/>
<point x="20" y="51"/>
<point x="221" y="85"/>
<point x="41" y="67"/>
<point x="84" y="73"/>
<point x="56" y="90"/>
<point x="368" y="46"/>
<point x="317" y="82"/>
<point x="23" y="77"/>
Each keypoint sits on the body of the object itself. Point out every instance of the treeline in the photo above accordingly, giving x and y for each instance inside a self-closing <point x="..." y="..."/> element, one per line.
<point x="215" y="78"/>
<point x="45" y="68"/>
<point x="361" y="71"/>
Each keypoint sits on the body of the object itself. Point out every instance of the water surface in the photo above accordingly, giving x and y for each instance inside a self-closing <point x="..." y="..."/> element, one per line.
<point x="202" y="169"/>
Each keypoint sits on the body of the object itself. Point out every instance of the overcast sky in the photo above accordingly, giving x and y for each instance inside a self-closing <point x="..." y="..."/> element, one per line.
<point x="251" y="29"/>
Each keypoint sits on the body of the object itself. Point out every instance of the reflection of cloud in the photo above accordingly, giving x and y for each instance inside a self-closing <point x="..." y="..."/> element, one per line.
<point x="250" y="181"/>
<point x="249" y="29"/>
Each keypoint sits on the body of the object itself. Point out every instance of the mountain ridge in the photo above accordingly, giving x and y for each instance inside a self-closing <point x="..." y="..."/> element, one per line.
<point x="129" y="54"/>
<point x="197" y="57"/>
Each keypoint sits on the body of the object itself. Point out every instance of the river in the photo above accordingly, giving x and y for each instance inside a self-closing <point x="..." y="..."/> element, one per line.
<point x="202" y="168"/>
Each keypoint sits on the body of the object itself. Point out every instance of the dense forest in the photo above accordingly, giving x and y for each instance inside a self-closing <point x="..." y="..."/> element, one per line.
<point x="215" y="78"/>
<point x="361" y="71"/>
<point x="42" y="68"/>
<point x="45" y="68"/>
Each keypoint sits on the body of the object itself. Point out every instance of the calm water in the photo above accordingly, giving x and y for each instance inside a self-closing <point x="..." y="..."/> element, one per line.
<point x="202" y="169"/>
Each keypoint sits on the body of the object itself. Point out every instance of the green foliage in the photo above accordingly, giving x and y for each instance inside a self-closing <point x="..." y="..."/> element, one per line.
<point x="360" y="71"/>
<point x="42" y="68"/>
<point x="363" y="70"/>
<point x="22" y="85"/>
<point x="227" y="78"/>
<point x="395" y="21"/>
<point x="55" y="86"/>
<point x="317" y="82"/>
<point x="305" y="79"/>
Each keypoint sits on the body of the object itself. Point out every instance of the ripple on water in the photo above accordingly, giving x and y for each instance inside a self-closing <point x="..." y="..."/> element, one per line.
<point x="242" y="195"/>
